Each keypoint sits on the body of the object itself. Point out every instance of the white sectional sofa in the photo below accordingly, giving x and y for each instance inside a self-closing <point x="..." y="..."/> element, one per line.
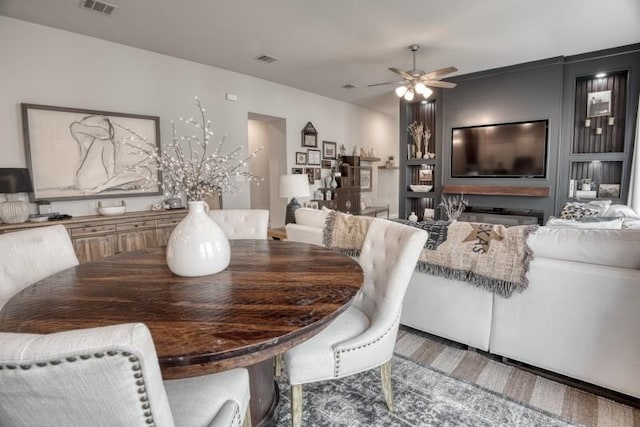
<point x="580" y="316"/>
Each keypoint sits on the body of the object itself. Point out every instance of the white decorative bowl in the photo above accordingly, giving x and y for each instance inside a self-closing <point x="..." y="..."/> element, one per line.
<point x="112" y="210"/>
<point x="421" y="188"/>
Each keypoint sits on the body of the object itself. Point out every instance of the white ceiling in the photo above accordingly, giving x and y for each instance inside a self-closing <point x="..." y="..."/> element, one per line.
<point x="324" y="44"/>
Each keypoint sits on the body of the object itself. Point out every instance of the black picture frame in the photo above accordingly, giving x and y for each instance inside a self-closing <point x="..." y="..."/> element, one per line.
<point x="329" y="150"/>
<point x="301" y="158"/>
<point x="76" y="154"/>
<point x="309" y="136"/>
<point x="313" y="157"/>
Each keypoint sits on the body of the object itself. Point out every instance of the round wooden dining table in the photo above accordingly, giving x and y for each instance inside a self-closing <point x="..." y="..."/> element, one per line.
<point x="272" y="296"/>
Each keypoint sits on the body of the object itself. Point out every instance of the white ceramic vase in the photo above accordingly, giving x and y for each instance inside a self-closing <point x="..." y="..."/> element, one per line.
<point x="197" y="246"/>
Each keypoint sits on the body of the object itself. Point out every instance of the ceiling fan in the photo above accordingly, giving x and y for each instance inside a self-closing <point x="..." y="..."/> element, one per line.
<point x="417" y="81"/>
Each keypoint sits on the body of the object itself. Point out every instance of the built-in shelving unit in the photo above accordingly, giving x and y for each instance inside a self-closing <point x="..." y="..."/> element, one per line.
<point x="414" y="171"/>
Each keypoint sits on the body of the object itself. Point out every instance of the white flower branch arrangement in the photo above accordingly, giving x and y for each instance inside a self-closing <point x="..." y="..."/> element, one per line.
<point x="420" y="132"/>
<point x="193" y="164"/>
<point x="453" y="206"/>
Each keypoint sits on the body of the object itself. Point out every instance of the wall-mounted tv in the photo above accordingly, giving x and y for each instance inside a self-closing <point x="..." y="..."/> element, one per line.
<point x="504" y="150"/>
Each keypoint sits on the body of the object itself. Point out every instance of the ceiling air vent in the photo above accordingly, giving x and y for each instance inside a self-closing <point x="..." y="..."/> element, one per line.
<point x="349" y="86"/>
<point x="266" y="58"/>
<point x="98" y="6"/>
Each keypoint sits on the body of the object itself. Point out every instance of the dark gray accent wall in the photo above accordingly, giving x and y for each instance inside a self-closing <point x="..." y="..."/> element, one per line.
<point x="609" y="61"/>
<point x="513" y="94"/>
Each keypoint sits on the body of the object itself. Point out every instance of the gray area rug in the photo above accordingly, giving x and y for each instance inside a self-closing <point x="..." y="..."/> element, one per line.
<point x="423" y="396"/>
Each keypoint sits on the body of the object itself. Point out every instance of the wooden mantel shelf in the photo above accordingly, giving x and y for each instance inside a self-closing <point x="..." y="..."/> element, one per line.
<point x="497" y="190"/>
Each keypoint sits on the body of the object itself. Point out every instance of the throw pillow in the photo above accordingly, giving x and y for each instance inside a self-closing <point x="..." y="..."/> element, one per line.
<point x="588" y="222"/>
<point x="621" y="210"/>
<point x="574" y="210"/>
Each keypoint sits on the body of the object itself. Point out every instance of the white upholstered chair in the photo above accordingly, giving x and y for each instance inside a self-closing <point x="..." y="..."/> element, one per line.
<point x="31" y="255"/>
<point x="242" y="223"/>
<point x="363" y="336"/>
<point x="109" y="376"/>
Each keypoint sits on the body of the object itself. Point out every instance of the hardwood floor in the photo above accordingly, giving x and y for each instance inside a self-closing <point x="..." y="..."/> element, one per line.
<point x="514" y="382"/>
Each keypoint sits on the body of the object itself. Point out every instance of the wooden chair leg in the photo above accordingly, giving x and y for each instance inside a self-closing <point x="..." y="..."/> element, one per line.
<point x="247" y="418"/>
<point x="385" y="373"/>
<point x="296" y="405"/>
<point x="277" y="370"/>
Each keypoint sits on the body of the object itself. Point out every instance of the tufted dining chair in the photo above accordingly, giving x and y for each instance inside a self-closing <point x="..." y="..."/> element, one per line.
<point x="363" y="336"/>
<point x="242" y="223"/>
<point x="109" y="376"/>
<point x="31" y="255"/>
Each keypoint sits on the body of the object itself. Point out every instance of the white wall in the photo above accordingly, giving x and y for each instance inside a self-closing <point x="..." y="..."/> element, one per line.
<point x="42" y="65"/>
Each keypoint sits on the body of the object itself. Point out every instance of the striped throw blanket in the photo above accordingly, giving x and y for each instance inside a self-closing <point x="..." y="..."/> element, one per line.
<point x="491" y="256"/>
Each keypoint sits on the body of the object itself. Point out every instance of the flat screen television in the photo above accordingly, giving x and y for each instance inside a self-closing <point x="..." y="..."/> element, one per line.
<point x="504" y="150"/>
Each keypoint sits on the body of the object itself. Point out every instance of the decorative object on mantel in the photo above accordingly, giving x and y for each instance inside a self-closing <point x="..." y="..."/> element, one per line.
<point x="13" y="181"/>
<point x="193" y="166"/>
<point x="453" y="206"/>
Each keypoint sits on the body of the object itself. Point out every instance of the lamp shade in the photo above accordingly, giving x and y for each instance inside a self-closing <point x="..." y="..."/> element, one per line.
<point x="15" y="180"/>
<point x="294" y="186"/>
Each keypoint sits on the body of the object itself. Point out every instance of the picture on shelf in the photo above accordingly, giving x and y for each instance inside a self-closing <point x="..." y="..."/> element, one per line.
<point x="297" y="171"/>
<point x="316" y="173"/>
<point x="609" y="191"/>
<point x="326" y="164"/>
<point x="425" y="175"/>
<point x="301" y="158"/>
<point x="599" y="103"/>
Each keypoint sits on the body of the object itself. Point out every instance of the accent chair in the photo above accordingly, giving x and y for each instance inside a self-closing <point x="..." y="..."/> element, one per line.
<point x="109" y="376"/>
<point x="30" y="255"/>
<point x="363" y="336"/>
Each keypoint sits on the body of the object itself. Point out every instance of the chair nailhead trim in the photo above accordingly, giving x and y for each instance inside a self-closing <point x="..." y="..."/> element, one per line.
<point x="336" y="371"/>
<point x="142" y="391"/>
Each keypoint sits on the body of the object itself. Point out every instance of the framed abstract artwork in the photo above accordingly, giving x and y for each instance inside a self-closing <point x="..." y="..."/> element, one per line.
<point x="84" y="154"/>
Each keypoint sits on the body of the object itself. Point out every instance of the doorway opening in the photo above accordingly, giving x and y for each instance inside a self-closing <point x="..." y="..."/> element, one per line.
<point x="270" y="133"/>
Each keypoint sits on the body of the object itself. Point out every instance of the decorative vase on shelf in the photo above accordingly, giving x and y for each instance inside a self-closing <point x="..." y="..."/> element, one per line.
<point x="197" y="246"/>
<point x="334" y="183"/>
<point x="413" y="217"/>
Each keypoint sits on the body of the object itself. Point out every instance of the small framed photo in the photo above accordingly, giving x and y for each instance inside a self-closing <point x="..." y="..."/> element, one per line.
<point x="297" y="171"/>
<point x="329" y="150"/>
<point x="609" y="191"/>
<point x="313" y="157"/>
<point x="425" y="175"/>
<point x="301" y="158"/>
<point x="365" y="179"/>
<point x="314" y="204"/>
<point x="310" y="174"/>
<point x="599" y="103"/>
<point x="317" y="173"/>
<point x="326" y="164"/>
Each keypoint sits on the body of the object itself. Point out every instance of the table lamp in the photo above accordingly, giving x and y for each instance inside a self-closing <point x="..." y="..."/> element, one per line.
<point x="12" y="181"/>
<point x="293" y="186"/>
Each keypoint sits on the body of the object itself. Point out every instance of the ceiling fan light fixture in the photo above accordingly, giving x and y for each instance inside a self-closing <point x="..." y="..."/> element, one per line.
<point x="409" y="95"/>
<point x="427" y="92"/>
<point x="401" y="90"/>
<point x="420" y="88"/>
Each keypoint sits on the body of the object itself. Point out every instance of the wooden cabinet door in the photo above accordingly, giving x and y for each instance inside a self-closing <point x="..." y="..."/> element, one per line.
<point x="135" y="240"/>
<point x="93" y="248"/>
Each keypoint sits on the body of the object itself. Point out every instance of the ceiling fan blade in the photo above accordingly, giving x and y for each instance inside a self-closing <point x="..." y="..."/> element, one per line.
<point x="438" y="73"/>
<point x="385" y="83"/>
<point x="439" y="83"/>
<point x="402" y="73"/>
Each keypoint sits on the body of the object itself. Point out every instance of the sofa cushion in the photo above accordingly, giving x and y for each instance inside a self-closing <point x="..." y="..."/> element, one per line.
<point x="621" y="211"/>
<point x="617" y="248"/>
<point x="311" y="217"/>
<point x="574" y="210"/>
<point x="587" y="222"/>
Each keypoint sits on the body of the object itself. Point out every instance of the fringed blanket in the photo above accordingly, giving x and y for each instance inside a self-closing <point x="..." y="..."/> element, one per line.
<point x="490" y="256"/>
